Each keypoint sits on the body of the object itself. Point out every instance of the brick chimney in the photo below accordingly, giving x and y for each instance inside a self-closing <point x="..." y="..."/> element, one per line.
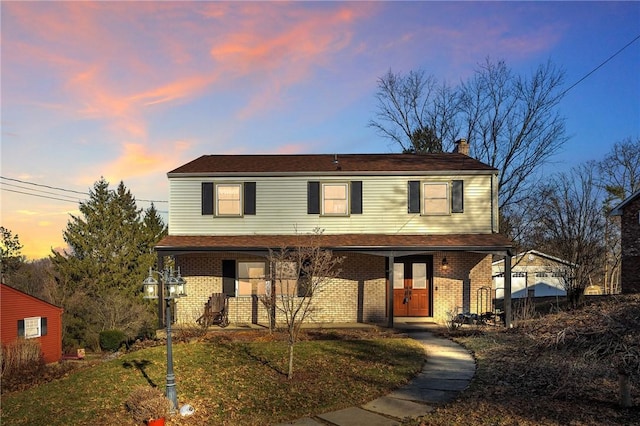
<point x="461" y="147"/>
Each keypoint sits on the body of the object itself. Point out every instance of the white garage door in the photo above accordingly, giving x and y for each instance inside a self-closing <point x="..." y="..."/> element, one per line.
<point x="518" y="285"/>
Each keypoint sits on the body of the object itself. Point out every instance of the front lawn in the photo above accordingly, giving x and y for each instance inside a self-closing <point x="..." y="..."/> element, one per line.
<point x="228" y="380"/>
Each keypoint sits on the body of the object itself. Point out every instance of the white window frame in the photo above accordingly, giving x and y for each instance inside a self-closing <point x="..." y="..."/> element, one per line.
<point x="32" y="327"/>
<point x="260" y="287"/>
<point x="425" y="200"/>
<point x="324" y="199"/>
<point x="217" y="199"/>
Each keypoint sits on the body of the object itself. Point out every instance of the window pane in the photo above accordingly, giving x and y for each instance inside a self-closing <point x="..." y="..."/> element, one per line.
<point x="435" y="190"/>
<point x="335" y="191"/>
<point x="334" y="199"/>
<point x="335" y="207"/>
<point x="436" y="206"/>
<point x="398" y="275"/>
<point x="286" y="278"/>
<point x="228" y="201"/>
<point x="31" y="327"/>
<point x="436" y="198"/>
<point x="419" y="275"/>
<point x="251" y="278"/>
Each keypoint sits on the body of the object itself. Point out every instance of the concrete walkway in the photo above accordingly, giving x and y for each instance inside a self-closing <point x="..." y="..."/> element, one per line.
<point x="448" y="370"/>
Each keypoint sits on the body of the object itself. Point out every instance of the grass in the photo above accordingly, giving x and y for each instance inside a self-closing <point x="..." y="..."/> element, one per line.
<point x="228" y="381"/>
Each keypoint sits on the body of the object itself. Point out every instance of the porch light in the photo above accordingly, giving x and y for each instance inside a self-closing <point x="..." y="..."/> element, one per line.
<point x="173" y="287"/>
<point x="445" y="264"/>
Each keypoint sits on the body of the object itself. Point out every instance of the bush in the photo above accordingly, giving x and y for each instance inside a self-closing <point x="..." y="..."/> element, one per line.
<point x="111" y="340"/>
<point x="23" y="354"/>
<point x="146" y="403"/>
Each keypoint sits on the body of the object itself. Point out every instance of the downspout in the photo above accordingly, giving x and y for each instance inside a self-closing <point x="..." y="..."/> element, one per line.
<point x="507" y="290"/>
<point x="390" y="260"/>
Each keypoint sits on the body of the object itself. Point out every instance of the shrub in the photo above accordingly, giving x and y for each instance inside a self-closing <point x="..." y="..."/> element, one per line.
<point x="23" y="354"/>
<point x="111" y="340"/>
<point x="146" y="403"/>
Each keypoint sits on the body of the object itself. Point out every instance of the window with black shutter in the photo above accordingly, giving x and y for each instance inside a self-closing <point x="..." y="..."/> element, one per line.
<point x="414" y="196"/>
<point x="249" y="198"/>
<point x="313" y="198"/>
<point x="356" y="197"/>
<point x="207" y="198"/>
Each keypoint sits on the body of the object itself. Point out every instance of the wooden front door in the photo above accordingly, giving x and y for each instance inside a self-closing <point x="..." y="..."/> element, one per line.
<point x="411" y="286"/>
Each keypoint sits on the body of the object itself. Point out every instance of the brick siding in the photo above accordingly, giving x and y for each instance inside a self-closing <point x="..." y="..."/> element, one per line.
<point x="630" y="269"/>
<point x="358" y="294"/>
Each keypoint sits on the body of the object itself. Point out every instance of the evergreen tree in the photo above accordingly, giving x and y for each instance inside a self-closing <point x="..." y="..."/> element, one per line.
<point x="110" y="249"/>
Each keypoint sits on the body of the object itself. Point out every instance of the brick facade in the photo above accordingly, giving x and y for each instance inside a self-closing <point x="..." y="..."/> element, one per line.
<point x="630" y="270"/>
<point x="358" y="294"/>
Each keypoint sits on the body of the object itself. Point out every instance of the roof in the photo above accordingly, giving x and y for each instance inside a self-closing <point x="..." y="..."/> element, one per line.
<point x="330" y="163"/>
<point x="539" y="254"/>
<point x="617" y="210"/>
<point x="15" y="291"/>
<point x="468" y="242"/>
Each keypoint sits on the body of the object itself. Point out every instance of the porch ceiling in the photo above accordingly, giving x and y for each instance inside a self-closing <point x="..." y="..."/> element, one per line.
<point x="345" y="242"/>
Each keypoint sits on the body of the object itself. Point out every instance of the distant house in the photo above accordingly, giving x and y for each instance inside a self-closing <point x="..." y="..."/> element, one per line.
<point x="629" y="210"/>
<point x="27" y="317"/>
<point x="533" y="274"/>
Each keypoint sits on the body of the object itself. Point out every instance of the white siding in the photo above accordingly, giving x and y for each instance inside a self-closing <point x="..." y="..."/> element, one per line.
<point x="281" y="208"/>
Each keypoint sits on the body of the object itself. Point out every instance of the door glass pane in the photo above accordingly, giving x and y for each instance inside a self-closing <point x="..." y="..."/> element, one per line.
<point x="419" y="275"/>
<point x="398" y="275"/>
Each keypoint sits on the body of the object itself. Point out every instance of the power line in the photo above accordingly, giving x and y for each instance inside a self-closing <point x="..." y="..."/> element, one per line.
<point x="65" y="190"/>
<point x="39" y="190"/>
<point x="41" y="196"/>
<point x="601" y="65"/>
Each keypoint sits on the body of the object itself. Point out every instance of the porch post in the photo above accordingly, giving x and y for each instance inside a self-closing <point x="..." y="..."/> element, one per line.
<point x="507" y="291"/>
<point x="390" y="260"/>
<point x="161" y="310"/>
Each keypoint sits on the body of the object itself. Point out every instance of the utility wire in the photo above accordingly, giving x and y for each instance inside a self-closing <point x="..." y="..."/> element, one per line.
<point x="41" y="196"/>
<point x="67" y="190"/>
<point x="39" y="190"/>
<point x="601" y="65"/>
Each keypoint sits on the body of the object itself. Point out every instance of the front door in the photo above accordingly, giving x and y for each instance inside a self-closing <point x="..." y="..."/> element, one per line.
<point x="411" y="286"/>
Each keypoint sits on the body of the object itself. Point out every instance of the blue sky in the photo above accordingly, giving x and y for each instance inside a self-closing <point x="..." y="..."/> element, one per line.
<point x="131" y="90"/>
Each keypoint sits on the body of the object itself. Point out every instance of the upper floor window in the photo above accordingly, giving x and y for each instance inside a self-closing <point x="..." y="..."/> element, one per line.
<point x="436" y="198"/>
<point x="228" y="200"/>
<point x="335" y="198"/>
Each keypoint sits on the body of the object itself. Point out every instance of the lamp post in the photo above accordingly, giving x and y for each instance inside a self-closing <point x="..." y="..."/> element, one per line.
<point x="173" y="287"/>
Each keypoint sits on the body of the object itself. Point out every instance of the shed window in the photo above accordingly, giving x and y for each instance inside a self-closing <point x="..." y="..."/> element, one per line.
<point x="32" y="327"/>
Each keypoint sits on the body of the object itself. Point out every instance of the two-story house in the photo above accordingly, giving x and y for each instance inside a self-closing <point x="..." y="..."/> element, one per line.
<point x="417" y="232"/>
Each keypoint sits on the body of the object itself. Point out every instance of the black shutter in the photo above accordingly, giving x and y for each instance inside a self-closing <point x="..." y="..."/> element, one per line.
<point x="229" y="277"/>
<point x="414" y="196"/>
<point x="313" y="198"/>
<point x="249" y="198"/>
<point x="457" y="196"/>
<point x="43" y="326"/>
<point x="207" y="198"/>
<point x="356" y="197"/>
<point x="21" y="328"/>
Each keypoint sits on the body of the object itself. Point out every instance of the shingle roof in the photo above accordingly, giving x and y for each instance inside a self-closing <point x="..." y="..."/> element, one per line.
<point x="617" y="210"/>
<point x="325" y="163"/>
<point x="482" y="242"/>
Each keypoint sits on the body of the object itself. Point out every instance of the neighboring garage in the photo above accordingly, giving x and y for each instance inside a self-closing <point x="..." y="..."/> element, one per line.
<point x="533" y="274"/>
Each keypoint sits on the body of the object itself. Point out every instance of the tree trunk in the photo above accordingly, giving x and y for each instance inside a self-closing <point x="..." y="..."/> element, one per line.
<point x="290" y="375"/>
<point x="624" y="388"/>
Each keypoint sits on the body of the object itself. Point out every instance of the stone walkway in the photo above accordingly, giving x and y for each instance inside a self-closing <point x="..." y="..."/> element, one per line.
<point x="448" y="370"/>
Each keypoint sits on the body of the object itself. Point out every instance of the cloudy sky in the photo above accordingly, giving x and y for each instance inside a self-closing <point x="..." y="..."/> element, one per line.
<point x="131" y="90"/>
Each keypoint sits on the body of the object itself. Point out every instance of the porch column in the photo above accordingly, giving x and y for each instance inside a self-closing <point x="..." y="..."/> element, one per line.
<point x="507" y="291"/>
<point x="390" y="260"/>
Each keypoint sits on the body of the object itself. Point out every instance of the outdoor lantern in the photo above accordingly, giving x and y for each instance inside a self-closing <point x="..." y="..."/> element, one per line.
<point x="445" y="264"/>
<point x="173" y="287"/>
<point x="150" y="287"/>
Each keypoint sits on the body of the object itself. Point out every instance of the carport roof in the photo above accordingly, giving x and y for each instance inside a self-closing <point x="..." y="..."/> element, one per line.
<point x="352" y="242"/>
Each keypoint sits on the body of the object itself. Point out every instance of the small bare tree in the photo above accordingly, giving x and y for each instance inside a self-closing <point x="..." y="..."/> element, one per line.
<point x="570" y="225"/>
<point x="298" y="275"/>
